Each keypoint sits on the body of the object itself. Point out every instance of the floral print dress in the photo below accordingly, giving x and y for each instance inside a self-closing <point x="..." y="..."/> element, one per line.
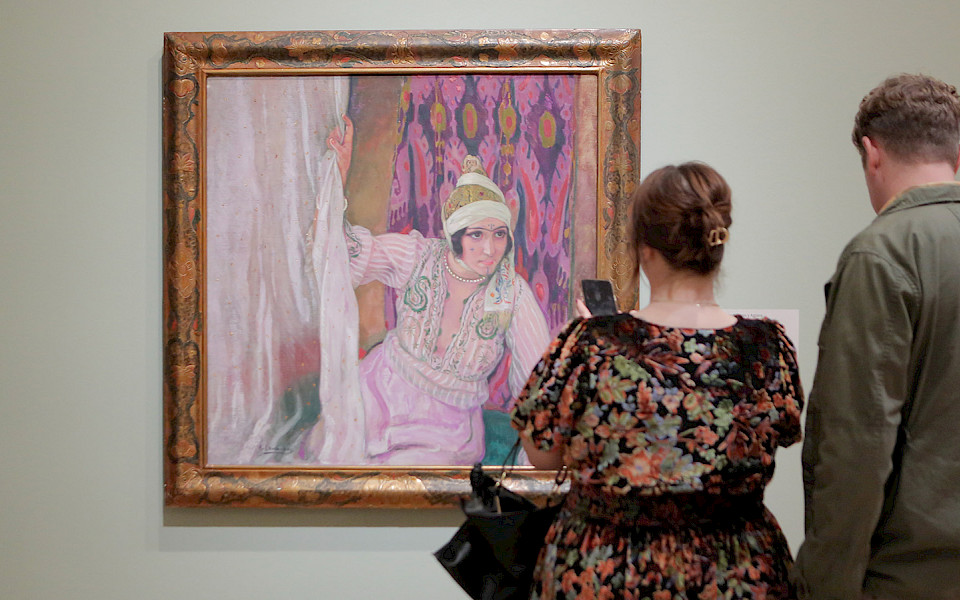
<point x="669" y="435"/>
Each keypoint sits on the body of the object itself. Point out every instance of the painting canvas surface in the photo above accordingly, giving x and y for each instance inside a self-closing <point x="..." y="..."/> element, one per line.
<point x="318" y="354"/>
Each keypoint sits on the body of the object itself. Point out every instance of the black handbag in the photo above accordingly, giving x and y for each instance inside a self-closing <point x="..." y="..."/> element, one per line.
<point x="493" y="554"/>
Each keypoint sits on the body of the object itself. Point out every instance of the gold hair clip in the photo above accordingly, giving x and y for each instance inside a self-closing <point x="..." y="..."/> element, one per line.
<point x="718" y="236"/>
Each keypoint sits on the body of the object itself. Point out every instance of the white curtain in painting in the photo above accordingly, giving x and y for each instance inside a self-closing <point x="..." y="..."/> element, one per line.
<point x="281" y="314"/>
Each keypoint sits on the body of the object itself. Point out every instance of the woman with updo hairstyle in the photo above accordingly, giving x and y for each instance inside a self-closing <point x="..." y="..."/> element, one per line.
<point x="677" y="209"/>
<point x="668" y="419"/>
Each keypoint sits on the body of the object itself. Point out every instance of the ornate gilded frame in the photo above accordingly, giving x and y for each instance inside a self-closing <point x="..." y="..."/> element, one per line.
<point x="613" y="56"/>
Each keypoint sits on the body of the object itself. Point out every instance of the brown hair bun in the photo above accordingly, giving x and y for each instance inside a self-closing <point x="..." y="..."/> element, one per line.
<point x="683" y="211"/>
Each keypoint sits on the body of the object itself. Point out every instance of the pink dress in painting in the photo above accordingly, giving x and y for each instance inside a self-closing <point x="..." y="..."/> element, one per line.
<point x="421" y="406"/>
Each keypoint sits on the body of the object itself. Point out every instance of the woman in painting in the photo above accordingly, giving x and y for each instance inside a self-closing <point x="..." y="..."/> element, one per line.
<point x="460" y="306"/>
<point x="668" y="419"/>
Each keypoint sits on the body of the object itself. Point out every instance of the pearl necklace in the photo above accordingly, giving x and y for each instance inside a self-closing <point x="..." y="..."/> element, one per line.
<point x="446" y="265"/>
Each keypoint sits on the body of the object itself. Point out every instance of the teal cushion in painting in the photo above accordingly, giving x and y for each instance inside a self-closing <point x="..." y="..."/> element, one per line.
<point x="500" y="437"/>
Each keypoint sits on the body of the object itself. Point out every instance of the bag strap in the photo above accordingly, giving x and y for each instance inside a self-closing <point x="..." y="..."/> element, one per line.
<point x="509" y="463"/>
<point x="558" y="480"/>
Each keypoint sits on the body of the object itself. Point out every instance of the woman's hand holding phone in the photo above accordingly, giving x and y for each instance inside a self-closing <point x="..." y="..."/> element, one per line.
<point x="598" y="298"/>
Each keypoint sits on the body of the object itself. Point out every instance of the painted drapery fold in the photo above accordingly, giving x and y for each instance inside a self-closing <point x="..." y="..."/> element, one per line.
<point x="274" y="275"/>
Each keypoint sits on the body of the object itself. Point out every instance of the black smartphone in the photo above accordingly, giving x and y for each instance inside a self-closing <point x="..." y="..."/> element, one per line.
<point x="598" y="296"/>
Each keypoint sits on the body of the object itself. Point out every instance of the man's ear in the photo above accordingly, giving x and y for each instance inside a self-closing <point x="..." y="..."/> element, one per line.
<point x="956" y="165"/>
<point x="873" y="154"/>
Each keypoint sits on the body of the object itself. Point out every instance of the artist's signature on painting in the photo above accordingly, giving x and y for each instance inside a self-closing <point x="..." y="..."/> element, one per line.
<point x="274" y="450"/>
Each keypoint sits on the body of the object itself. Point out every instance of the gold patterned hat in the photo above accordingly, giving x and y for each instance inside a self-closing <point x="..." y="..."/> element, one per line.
<point x="472" y="186"/>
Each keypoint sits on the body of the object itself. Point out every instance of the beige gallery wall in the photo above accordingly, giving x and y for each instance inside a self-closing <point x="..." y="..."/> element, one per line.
<point x="763" y="90"/>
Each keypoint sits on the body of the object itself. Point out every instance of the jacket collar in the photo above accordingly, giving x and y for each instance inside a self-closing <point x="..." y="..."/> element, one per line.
<point x="921" y="195"/>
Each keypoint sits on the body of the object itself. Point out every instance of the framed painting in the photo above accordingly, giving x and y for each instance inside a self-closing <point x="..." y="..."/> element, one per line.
<point x="370" y="239"/>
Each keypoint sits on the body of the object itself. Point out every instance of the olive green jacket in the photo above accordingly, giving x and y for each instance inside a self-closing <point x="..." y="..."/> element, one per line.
<point x="881" y="460"/>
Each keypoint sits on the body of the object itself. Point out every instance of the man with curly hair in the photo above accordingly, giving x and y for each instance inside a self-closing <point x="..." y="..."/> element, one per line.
<point x="881" y="460"/>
